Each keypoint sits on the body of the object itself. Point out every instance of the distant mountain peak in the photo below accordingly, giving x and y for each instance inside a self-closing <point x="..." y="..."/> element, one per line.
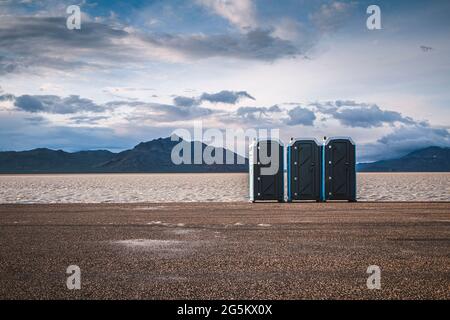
<point x="428" y="151"/>
<point x="429" y="159"/>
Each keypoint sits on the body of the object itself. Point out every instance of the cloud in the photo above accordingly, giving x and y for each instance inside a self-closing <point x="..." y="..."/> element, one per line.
<point x="31" y="125"/>
<point x="404" y="140"/>
<point x="240" y="13"/>
<point x="416" y="137"/>
<point x="7" y="66"/>
<point x="158" y="112"/>
<point x="257" y="44"/>
<point x="174" y="113"/>
<point x="224" y="96"/>
<point x="56" y="105"/>
<point x="361" y="115"/>
<point x="182" y="101"/>
<point x="7" y="97"/>
<point x="29" y="104"/>
<point x="300" y="116"/>
<point x="36" y="42"/>
<point x="256" y="113"/>
<point x="73" y="104"/>
<point x="128" y="93"/>
<point x="331" y="16"/>
<point x="368" y="117"/>
<point x="46" y="42"/>
<point x="85" y="119"/>
<point x="36" y="119"/>
<point x="426" y="48"/>
<point x="133" y="118"/>
<point x="24" y="133"/>
<point x="349" y="114"/>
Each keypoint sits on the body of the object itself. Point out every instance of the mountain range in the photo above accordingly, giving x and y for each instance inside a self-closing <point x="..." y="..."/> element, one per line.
<point x="151" y="157"/>
<point x="431" y="159"/>
<point x="155" y="157"/>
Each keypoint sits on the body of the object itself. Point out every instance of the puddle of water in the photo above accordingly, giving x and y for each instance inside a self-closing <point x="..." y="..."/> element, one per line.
<point x="150" y="243"/>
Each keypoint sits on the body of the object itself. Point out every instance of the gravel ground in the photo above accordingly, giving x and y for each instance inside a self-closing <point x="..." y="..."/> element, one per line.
<point x="225" y="250"/>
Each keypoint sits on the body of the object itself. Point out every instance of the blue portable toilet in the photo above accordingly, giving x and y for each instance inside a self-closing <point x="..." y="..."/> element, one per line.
<point x="266" y="183"/>
<point x="304" y="169"/>
<point x="339" y="169"/>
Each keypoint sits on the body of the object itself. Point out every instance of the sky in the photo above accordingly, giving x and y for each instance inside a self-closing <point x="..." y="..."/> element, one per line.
<point x="138" y="70"/>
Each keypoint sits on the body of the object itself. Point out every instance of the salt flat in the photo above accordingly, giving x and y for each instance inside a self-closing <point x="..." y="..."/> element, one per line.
<point x="225" y="250"/>
<point x="198" y="187"/>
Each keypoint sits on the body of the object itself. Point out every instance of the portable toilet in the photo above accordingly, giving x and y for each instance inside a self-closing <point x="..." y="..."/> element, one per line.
<point x="304" y="170"/>
<point x="339" y="169"/>
<point x="266" y="172"/>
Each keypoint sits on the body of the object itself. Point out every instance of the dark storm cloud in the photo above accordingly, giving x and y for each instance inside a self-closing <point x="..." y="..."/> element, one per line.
<point x="300" y="116"/>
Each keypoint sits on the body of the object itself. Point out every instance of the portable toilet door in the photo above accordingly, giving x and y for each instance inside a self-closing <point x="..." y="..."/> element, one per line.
<point x="266" y="178"/>
<point x="340" y="169"/>
<point x="304" y="170"/>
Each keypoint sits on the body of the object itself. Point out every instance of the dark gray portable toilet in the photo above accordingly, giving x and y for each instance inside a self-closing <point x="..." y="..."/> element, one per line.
<point x="266" y="178"/>
<point x="339" y="169"/>
<point x="304" y="170"/>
